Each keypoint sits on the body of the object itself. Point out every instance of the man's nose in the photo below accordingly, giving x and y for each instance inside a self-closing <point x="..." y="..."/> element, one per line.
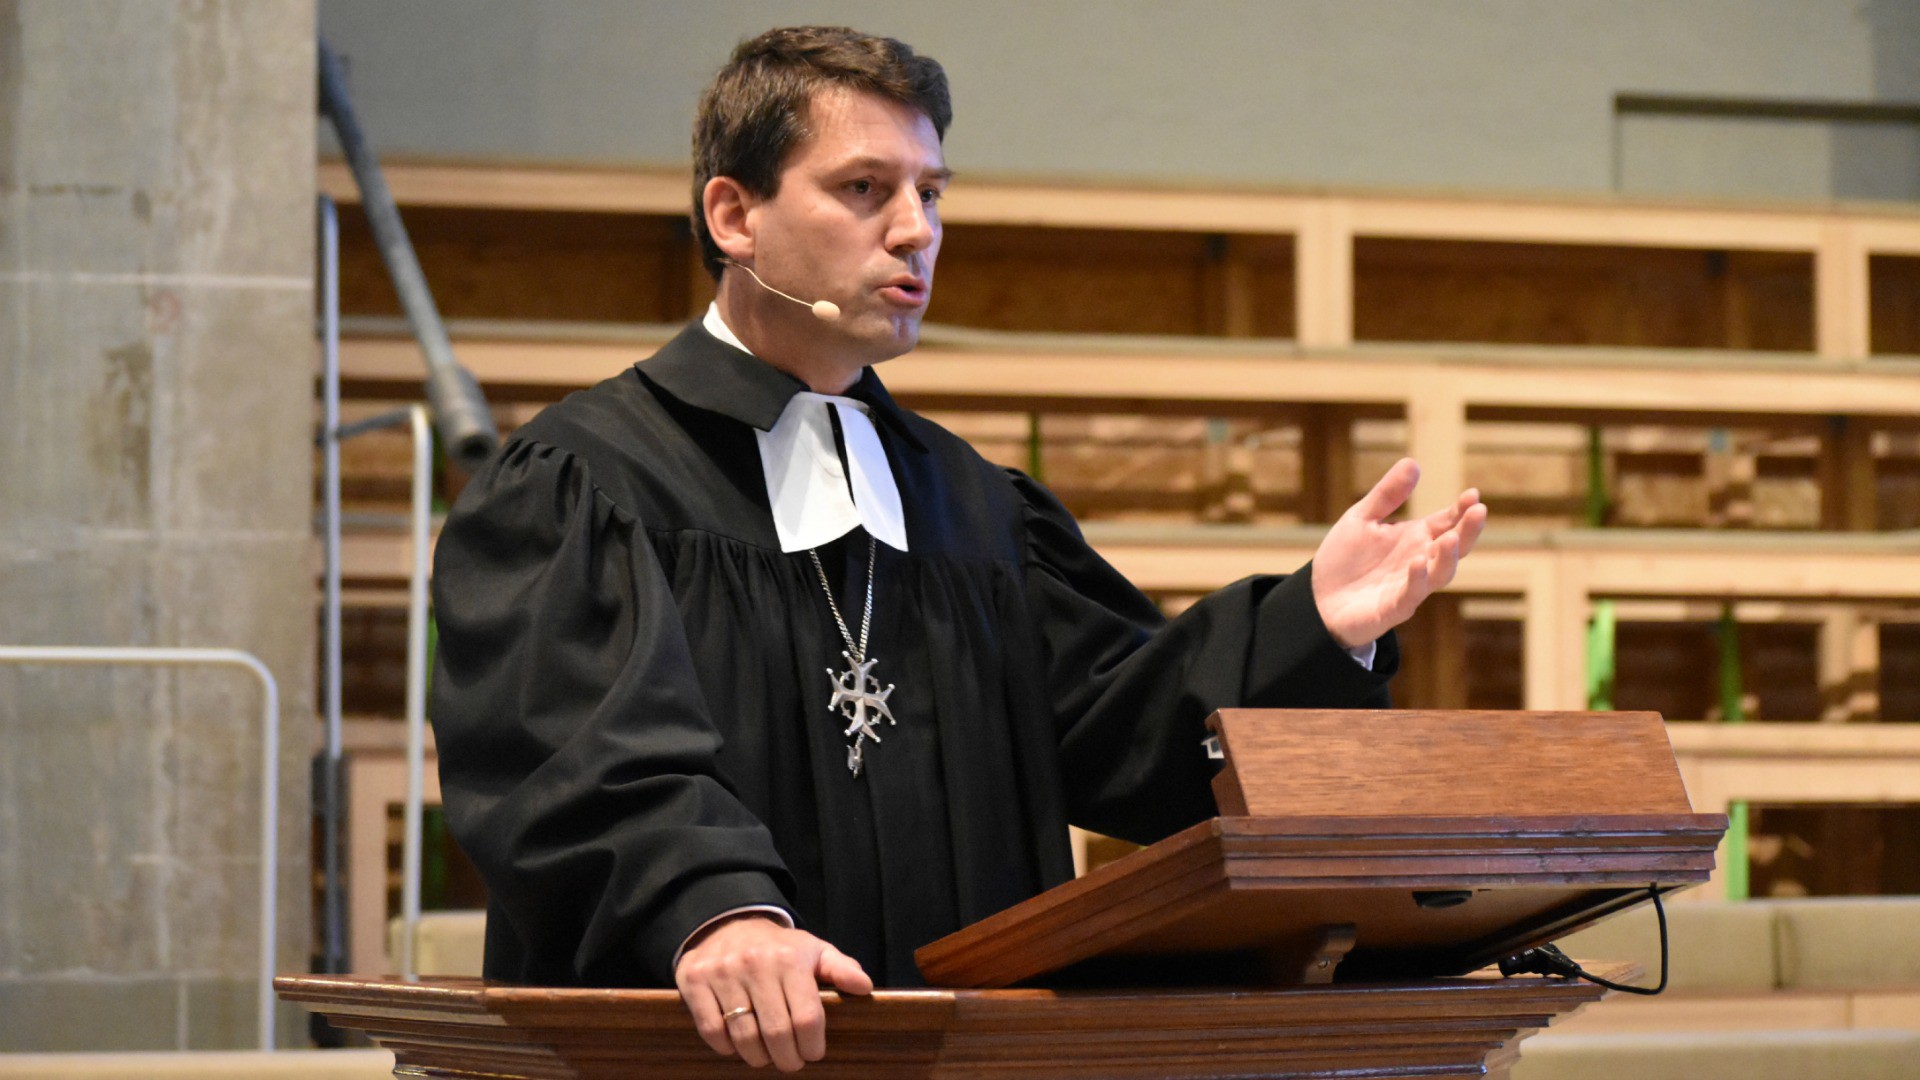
<point x="914" y="225"/>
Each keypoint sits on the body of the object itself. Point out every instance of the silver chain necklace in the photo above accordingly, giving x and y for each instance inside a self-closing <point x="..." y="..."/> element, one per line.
<point x="857" y="696"/>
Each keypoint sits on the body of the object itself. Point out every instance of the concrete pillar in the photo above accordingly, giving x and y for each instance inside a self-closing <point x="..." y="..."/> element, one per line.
<point x="156" y="374"/>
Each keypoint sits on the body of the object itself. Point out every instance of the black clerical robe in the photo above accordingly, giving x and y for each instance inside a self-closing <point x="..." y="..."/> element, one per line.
<point x="631" y="688"/>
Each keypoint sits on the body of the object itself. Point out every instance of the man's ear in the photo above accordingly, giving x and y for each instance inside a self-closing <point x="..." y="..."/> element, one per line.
<point x="728" y="207"/>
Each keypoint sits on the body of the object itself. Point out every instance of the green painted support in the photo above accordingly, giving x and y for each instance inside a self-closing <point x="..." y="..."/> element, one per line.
<point x="1597" y="499"/>
<point x="1733" y="710"/>
<point x="433" y="859"/>
<point x="1600" y="656"/>
<point x="1601" y="632"/>
<point x="1739" y="884"/>
<point x="1035" y="459"/>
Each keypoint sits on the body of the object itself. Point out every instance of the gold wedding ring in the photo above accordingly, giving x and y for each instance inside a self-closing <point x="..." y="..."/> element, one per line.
<point x="741" y="1011"/>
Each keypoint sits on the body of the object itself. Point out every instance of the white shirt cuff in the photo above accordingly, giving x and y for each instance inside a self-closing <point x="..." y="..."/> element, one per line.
<point x="778" y="914"/>
<point x="1363" y="654"/>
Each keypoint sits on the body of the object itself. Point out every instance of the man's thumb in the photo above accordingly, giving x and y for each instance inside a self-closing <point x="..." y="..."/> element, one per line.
<point x="842" y="972"/>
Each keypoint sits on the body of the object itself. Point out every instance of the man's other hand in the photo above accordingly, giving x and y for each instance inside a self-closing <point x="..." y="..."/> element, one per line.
<point x="1370" y="573"/>
<point x="775" y="974"/>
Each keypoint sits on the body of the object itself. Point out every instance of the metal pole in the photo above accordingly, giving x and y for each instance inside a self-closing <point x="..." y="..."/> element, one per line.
<point x="416" y="683"/>
<point x="269" y="769"/>
<point x="333" y="949"/>
<point x="459" y="409"/>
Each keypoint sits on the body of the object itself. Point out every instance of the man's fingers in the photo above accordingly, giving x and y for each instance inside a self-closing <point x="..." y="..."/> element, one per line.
<point x="1449" y="516"/>
<point x="1391" y="492"/>
<point x="753" y="988"/>
<point x="809" y="1018"/>
<point x="843" y="972"/>
<point x="1470" y="526"/>
<point x="744" y="1029"/>
<point x="1417" y="588"/>
<point x="1443" y="561"/>
<point x="774" y="1021"/>
<point x="707" y="1012"/>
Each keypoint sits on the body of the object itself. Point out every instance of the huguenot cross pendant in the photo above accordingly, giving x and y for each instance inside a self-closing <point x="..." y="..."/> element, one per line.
<point x="858" y="698"/>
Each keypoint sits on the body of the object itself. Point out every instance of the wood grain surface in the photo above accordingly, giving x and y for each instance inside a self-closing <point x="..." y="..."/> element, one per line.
<point x="1425" y="843"/>
<point x="1393" y="763"/>
<point x="1465" y="1027"/>
<point x="1229" y="892"/>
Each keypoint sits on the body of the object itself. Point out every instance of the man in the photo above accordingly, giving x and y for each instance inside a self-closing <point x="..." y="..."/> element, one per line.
<point x="750" y="680"/>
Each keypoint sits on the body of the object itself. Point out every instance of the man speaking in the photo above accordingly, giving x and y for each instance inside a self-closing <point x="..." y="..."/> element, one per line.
<point x="750" y="680"/>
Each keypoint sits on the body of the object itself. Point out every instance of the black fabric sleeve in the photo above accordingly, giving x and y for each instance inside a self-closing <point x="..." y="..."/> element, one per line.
<point x="1131" y="690"/>
<point x="576" y="752"/>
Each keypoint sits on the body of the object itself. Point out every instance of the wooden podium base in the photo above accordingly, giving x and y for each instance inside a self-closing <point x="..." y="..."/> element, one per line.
<point x="1468" y="1026"/>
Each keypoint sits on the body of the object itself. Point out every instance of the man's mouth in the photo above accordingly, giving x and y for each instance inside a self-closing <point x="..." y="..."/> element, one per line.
<point x="905" y="290"/>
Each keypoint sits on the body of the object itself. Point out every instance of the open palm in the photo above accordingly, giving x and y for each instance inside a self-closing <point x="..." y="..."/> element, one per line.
<point x="1370" y="573"/>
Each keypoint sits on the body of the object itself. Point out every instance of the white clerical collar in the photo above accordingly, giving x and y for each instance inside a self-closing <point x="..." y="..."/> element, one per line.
<point x="813" y="500"/>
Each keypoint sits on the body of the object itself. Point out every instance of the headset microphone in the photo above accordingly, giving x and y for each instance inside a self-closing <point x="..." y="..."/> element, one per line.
<point x="824" y="310"/>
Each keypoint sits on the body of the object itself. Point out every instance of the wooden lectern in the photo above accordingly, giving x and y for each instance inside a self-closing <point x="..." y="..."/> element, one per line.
<point x="1333" y="921"/>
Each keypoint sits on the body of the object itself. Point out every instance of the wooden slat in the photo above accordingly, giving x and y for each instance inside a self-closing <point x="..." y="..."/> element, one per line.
<point x="630" y="191"/>
<point x="1795" y="742"/>
<point x="554" y="367"/>
<point x="1200" y="559"/>
<point x="1842" y="304"/>
<point x="1323" y="277"/>
<point x="1814" y="571"/>
<point x="1794" y="763"/>
<point x="1571" y="222"/>
<point x="1517" y="383"/>
<point x="1113" y="208"/>
<point x="375" y="782"/>
<point x="1890" y="235"/>
<point x="1538" y="219"/>
<point x="1682" y="1013"/>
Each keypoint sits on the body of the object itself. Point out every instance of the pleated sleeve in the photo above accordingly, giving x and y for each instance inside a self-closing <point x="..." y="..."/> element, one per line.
<point x="576" y="750"/>
<point x="1130" y="690"/>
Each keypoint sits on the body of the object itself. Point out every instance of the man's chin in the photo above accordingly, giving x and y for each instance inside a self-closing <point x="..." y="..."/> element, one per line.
<point x="888" y="338"/>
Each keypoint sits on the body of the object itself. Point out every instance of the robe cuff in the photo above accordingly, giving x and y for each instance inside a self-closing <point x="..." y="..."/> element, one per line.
<point x="1291" y="644"/>
<point x="777" y="914"/>
<point x="698" y="904"/>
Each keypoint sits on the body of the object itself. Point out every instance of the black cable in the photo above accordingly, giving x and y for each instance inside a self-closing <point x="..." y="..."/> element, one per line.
<point x="1549" y="960"/>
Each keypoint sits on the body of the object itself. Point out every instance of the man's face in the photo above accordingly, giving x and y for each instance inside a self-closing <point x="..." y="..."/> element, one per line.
<point x="856" y="221"/>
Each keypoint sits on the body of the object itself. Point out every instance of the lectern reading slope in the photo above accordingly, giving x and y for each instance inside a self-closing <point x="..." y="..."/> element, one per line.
<point x="1369" y="845"/>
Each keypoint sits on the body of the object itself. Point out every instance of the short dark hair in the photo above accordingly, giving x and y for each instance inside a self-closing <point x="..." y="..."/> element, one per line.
<point x="755" y="113"/>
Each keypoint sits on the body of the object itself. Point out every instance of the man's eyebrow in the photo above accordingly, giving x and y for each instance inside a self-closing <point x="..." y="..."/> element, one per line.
<point x="880" y="164"/>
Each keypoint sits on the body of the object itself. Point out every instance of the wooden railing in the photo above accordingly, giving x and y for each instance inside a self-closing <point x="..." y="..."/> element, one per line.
<point x="1324" y="228"/>
<point x="1320" y="371"/>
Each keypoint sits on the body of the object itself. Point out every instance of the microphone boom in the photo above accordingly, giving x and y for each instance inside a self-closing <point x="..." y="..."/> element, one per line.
<point x="824" y="310"/>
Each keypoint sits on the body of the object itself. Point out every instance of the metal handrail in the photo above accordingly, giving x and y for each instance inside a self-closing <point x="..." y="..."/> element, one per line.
<point x="269" y="768"/>
<point x="420" y="531"/>
<point x="416" y="684"/>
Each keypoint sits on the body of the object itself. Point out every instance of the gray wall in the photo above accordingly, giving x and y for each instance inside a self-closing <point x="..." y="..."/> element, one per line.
<point x="1472" y="94"/>
<point x="156" y="410"/>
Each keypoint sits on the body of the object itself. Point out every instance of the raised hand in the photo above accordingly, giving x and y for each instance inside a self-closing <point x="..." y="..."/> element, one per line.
<point x="753" y="987"/>
<point x="1370" y="573"/>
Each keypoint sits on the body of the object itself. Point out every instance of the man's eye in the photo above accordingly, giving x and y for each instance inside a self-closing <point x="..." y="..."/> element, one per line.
<point x="929" y="195"/>
<point x="861" y="187"/>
